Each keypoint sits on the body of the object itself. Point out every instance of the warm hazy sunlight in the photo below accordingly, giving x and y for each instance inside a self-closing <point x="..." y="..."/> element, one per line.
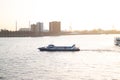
<point x="78" y="14"/>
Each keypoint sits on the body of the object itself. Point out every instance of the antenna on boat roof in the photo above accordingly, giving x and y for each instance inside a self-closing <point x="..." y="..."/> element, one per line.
<point x="73" y="45"/>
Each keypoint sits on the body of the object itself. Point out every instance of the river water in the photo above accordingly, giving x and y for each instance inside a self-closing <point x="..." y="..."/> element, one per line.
<point x="99" y="58"/>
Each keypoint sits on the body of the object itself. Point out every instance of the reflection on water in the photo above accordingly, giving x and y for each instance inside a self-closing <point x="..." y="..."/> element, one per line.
<point x="98" y="59"/>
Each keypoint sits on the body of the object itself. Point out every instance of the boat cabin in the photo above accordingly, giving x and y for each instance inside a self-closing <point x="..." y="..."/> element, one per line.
<point x="117" y="41"/>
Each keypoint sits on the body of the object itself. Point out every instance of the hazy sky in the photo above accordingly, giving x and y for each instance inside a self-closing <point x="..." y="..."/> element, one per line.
<point x="79" y="14"/>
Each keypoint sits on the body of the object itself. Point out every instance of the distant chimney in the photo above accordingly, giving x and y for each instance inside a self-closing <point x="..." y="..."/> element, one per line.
<point x="16" y="26"/>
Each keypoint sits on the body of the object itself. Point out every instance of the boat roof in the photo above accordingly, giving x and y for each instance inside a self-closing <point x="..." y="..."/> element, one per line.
<point x="52" y="45"/>
<point x="117" y="38"/>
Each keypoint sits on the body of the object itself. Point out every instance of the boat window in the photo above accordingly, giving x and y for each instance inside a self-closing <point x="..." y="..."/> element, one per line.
<point x="50" y="46"/>
<point x="118" y="39"/>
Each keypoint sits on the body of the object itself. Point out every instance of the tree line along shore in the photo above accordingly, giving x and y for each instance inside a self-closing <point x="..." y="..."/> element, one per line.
<point x="7" y="33"/>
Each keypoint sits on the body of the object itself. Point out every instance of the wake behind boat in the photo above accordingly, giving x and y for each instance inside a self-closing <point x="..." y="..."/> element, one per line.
<point x="59" y="48"/>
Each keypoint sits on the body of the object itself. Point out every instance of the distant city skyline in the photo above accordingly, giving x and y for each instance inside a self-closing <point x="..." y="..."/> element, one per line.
<point x="74" y="14"/>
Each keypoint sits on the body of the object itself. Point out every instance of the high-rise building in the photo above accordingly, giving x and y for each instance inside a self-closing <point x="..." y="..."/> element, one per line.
<point x="55" y="27"/>
<point x="38" y="27"/>
<point x="33" y="27"/>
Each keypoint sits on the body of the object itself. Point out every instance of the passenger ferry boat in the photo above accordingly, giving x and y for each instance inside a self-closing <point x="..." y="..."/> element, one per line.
<point x="117" y="41"/>
<point x="52" y="47"/>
